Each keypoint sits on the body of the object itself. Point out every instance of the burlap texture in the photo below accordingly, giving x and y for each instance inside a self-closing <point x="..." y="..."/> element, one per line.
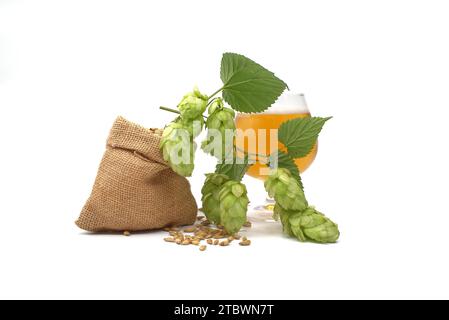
<point x="135" y="190"/>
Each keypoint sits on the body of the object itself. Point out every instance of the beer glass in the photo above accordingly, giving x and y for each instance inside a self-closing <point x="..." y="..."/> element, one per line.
<point x="288" y="106"/>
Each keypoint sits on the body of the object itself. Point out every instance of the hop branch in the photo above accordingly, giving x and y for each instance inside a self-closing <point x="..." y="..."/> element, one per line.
<point x="247" y="87"/>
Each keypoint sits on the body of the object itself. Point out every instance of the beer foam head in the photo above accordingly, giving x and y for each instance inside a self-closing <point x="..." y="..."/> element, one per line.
<point x="289" y="102"/>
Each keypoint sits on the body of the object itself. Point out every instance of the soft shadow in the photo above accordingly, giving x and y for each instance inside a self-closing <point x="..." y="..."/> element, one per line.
<point x="117" y="233"/>
<point x="262" y="228"/>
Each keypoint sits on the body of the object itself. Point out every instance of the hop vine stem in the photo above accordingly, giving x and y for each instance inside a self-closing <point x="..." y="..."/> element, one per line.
<point x="213" y="94"/>
<point x="170" y="110"/>
<point x="210" y="101"/>
<point x="174" y="110"/>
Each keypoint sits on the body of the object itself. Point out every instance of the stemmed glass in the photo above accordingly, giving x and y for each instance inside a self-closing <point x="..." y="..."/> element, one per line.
<point x="288" y="106"/>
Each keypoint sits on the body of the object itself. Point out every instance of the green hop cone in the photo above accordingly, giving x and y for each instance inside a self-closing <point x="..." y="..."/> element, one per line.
<point x="193" y="105"/>
<point x="312" y="225"/>
<point x="193" y="126"/>
<point x="286" y="190"/>
<point x="233" y="206"/>
<point x="284" y="216"/>
<point x="210" y="196"/>
<point x="219" y="121"/>
<point x="178" y="148"/>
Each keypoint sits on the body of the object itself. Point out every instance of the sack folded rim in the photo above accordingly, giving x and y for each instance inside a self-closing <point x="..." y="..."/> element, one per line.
<point x="134" y="137"/>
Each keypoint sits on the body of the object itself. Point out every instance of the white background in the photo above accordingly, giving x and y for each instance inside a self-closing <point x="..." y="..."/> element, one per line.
<point x="381" y="68"/>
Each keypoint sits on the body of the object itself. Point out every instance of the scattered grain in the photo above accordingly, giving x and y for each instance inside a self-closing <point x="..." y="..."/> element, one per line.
<point x="190" y="229"/>
<point x="224" y="243"/>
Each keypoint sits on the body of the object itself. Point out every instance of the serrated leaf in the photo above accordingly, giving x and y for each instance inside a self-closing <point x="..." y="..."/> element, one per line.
<point x="286" y="161"/>
<point x="247" y="86"/>
<point x="300" y="135"/>
<point x="236" y="170"/>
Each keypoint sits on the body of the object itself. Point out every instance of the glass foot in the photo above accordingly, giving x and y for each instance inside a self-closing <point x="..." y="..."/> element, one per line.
<point x="263" y="212"/>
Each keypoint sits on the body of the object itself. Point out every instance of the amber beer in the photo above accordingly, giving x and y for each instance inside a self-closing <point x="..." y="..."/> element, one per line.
<point x="269" y="121"/>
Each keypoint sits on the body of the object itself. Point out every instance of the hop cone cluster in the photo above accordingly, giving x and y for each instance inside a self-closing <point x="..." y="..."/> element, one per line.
<point x="284" y="215"/>
<point x="193" y="105"/>
<point x="178" y="148"/>
<point x="298" y="219"/>
<point x="286" y="190"/>
<point x="177" y="144"/>
<point x="194" y="127"/>
<point x="210" y="196"/>
<point x="225" y="202"/>
<point x="219" y="120"/>
<point x="233" y="206"/>
<point x="313" y="226"/>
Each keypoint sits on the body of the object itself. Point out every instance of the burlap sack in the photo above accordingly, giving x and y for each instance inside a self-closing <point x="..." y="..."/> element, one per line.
<point x="135" y="189"/>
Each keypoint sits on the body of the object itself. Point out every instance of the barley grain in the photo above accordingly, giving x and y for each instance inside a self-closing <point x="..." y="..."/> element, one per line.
<point x="190" y="229"/>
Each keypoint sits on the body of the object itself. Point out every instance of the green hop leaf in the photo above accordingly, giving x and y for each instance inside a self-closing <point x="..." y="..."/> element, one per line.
<point x="286" y="190"/>
<point x="210" y="196"/>
<point x="300" y="135"/>
<point x="247" y="86"/>
<point x="178" y="148"/>
<point x="193" y="105"/>
<point x="312" y="225"/>
<point x="233" y="206"/>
